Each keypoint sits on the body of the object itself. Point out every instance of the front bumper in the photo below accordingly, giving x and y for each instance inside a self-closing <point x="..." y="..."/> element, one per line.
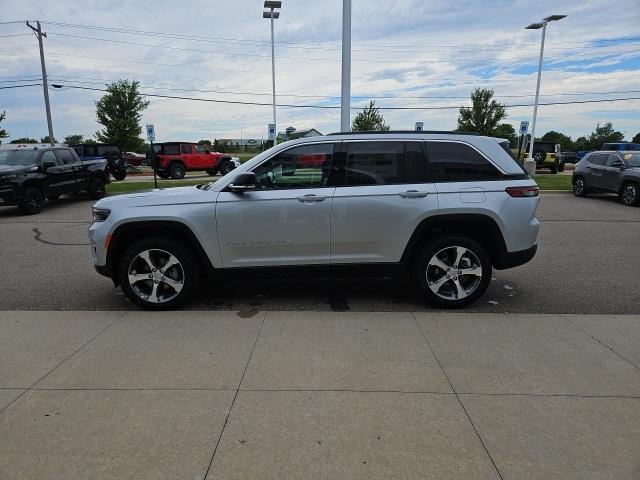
<point x="9" y="195"/>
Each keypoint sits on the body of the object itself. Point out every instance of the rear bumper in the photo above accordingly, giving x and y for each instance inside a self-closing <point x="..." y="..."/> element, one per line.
<point x="515" y="259"/>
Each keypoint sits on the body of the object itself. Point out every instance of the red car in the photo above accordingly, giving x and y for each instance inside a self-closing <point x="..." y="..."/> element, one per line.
<point x="174" y="159"/>
<point x="134" y="159"/>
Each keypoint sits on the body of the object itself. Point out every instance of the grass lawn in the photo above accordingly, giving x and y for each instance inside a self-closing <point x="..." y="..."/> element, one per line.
<point x="553" y="182"/>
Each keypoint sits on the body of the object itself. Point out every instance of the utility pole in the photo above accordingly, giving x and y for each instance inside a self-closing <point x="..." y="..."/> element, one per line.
<point x="45" y="86"/>
<point x="345" y="95"/>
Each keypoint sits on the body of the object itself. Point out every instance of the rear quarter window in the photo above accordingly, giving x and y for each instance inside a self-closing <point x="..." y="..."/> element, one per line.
<point x="458" y="162"/>
<point x="171" y="150"/>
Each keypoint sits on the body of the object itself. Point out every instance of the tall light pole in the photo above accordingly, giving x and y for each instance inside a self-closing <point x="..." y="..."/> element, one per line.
<point x="45" y="87"/>
<point x="345" y="94"/>
<point x="536" y="26"/>
<point x="272" y="14"/>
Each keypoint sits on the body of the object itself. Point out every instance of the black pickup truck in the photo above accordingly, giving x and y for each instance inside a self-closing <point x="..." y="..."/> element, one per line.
<point x="30" y="174"/>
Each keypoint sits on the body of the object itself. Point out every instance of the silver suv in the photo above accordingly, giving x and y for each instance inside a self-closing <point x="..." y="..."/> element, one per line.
<point x="442" y="207"/>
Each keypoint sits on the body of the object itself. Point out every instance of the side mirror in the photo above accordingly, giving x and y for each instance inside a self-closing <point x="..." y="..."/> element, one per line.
<point x="243" y="182"/>
<point x="47" y="165"/>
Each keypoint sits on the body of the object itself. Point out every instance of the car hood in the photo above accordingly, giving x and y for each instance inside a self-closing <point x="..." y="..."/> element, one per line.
<point x="5" y="169"/>
<point x="161" y="196"/>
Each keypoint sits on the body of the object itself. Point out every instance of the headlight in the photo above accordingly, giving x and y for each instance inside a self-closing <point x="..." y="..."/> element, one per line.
<point x="100" y="214"/>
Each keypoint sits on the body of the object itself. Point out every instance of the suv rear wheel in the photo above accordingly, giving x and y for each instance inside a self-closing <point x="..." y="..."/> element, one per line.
<point x="177" y="170"/>
<point x="453" y="271"/>
<point x="158" y="273"/>
<point x="226" y="167"/>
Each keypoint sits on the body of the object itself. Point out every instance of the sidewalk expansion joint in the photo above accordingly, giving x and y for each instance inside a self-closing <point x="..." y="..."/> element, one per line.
<point x="226" y="420"/>
<point x="63" y="361"/>
<point x="457" y="396"/>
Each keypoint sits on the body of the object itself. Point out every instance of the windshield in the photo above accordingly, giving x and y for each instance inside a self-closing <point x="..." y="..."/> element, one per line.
<point x="632" y="159"/>
<point x="18" y="157"/>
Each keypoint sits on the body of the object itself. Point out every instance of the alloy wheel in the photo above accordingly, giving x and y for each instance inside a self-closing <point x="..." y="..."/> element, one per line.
<point x="156" y="276"/>
<point x="454" y="273"/>
<point x="578" y="187"/>
<point x="629" y="194"/>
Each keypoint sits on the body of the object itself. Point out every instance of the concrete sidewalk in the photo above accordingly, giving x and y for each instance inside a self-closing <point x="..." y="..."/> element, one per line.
<point x="305" y="395"/>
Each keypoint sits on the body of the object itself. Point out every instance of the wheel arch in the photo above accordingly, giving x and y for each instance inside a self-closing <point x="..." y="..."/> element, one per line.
<point x="480" y="227"/>
<point x="129" y="232"/>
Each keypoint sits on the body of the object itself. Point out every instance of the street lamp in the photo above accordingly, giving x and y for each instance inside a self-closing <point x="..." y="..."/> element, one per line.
<point x="271" y="5"/>
<point x="536" y="26"/>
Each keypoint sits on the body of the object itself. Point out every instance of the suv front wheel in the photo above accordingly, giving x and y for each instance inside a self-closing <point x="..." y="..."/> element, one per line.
<point x="453" y="271"/>
<point x="158" y="273"/>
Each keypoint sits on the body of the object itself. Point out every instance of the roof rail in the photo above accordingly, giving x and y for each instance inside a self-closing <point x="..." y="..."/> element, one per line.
<point x="370" y="132"/>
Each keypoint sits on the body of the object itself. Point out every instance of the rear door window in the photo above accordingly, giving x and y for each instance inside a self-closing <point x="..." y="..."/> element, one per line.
<point x="458" y="162"/>
<point x="374" y="163"/>
<point x="171" y="150"/>
<point x="66" y="157"/>
<point x="186" y="149"/>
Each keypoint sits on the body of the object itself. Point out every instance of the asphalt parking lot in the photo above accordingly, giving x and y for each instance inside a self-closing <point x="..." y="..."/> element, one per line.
<point x="587" y="262"/>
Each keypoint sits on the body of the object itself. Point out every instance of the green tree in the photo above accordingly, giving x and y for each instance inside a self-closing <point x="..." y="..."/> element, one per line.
<point x="636" y="138"/>
<point x="484" y="115"/>
<point x="604" y="134"/>
<point x="119" y="111"/>
<point x="90" y="141"/>
<point x="46" y="139"/>
<point x="3" y="132"/>
<point x="73" y="139"/>
<point x="581" y="143"/>
<point x="565" y="142"/>
<point x="369" y="119"/>
<point x="206" y="143"/>
<point x="506" y="130"/>
<point x="25" y="140"/>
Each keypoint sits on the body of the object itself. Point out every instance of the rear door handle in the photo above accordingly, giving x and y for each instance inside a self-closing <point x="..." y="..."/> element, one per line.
<point x="311" y="198"/>
<point x="413" y="194"/>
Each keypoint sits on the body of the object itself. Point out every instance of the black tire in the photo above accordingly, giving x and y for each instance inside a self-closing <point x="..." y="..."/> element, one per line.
<point x="561" y="167"/>
<point x="96" y="189"/>
<point x="177" y="171"/>
<point x="554" y="168"/>
<point x="32" y="201"/>
<point x="187" y="273"/>
<point x="162" y="174"/>
<point x="53" y="198"/>
<point x="226" y="167"/>
<point x="539" y="157"/>
<point x="579" y="187"/>
<point x="630" y="194"/>
<point x="212" y="172"/>
<point x="119" y="174"/>
<point x="448" y="293"/>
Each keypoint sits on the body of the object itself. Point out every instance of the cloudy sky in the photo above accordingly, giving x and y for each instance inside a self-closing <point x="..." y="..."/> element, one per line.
<point x="419" y="54"/>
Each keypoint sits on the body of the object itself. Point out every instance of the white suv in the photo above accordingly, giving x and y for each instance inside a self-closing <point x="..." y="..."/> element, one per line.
<point x="442" y="207"/>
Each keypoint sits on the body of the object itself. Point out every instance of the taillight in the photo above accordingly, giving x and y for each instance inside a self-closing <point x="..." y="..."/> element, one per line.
<point x="530" y="191"/>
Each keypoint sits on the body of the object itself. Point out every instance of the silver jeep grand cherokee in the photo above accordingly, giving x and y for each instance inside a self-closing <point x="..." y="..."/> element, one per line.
<point x="442" y="207"/>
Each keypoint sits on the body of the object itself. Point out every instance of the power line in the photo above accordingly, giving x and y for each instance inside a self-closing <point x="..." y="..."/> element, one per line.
<point x="331" y="95"/>
<point x="285" y="105"/>
<point x="316" y="59"/>
<point x="284" y="43"/>
<point x="21" y="86"/>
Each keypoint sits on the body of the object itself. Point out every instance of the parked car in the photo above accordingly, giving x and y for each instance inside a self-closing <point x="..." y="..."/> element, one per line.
<point x="612" y="171"/>
<point x="174" y="159"/>
<point x="568" y="157"/>
<point x="622" y="146"/>
<point x="444" y="208"/>
<point x="547" y="155"/>
<point x="134" y="159"/>
<point x="30" y="174"/>
<point x="116" y="164"/>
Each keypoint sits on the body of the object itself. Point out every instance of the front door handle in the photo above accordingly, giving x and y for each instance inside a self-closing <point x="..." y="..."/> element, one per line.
<point x="413" y="194"/>
<point x="311" y="198"/>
